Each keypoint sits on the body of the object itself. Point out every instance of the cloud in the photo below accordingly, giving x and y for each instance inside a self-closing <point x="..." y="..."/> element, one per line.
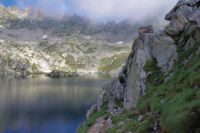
<point x="118" y="9"/>
<point x="137" y="10"/>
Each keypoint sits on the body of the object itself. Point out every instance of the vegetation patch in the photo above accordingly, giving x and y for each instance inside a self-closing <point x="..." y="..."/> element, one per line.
<point x="69" y="60"/>
<point x="43" y="43"/>
<point x="128" y="121"/>
<point x="92" y="120"/>
<point x="35" y="68"/>
<point x="112" y="63"/>
<point x="176" y="101"/>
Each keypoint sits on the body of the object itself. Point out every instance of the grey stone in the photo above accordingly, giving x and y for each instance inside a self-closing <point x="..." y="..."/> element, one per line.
<point x="91" y="111"/>
<point x="198" y="51"/>
<point x="138" y="43"/>
<point x="195" y="17"/>
<point x="189" y="44"/>
<point x="111" y="91"/>
<point x="164" y="50"/>
<point x="136" y="78"/>
<point x="162" y="101"/>
<point x="143" y="30"/>
<point x="140" y="117"/>
<point x="178" y="18"/>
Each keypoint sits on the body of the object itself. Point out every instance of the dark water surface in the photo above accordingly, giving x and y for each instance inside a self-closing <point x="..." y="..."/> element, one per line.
<point x="43" y="105"/>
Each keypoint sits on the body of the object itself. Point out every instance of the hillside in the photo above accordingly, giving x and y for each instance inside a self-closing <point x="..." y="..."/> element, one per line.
<point x="33" y="42"/>
<point x="158" y="90"/>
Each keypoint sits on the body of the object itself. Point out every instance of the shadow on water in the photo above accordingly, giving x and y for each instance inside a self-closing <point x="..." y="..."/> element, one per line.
<point x="43" y="105"/>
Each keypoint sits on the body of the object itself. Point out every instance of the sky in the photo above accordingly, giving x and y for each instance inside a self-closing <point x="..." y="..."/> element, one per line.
<point x="136" y="10"/>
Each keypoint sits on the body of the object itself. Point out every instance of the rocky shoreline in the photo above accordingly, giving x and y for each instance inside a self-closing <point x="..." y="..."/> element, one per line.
<point x="158" y="88"/>
<point x="61" y="74"/>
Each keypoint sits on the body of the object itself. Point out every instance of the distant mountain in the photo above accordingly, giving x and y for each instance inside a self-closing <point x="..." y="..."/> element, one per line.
<point x="65" y="24"/>
<point x="35" y="42"/>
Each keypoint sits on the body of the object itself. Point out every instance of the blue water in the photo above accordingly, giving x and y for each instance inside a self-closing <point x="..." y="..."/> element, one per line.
<point x="43" y="105"/>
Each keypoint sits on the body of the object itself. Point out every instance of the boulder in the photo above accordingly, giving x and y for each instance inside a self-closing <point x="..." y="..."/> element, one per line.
<point x="195" y="17"/>
<point x="111" y="91"/>
<point x="198" y="51"/>
<point x="164" y="50"/>
<point x="136" y="81"/>
<point x="148" y="29"/>
<point x="178" y="17"/>
<point x="136" y="78"/>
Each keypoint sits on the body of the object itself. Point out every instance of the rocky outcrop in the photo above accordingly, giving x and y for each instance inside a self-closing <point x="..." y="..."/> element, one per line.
<point x="162" y="46"/>
<point x="136" y="76"/>
<point x="112" y="94"/>
<point x="179" y="42"/>
<point x="132" y="81"/>
<point x="165" y="51"/>
<point x="61" y="74"/>
<point x="178" y="17"/>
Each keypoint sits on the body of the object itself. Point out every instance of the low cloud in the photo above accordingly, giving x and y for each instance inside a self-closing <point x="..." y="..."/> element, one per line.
<point x="118" y="9"/>
<point x="136" y="10"/>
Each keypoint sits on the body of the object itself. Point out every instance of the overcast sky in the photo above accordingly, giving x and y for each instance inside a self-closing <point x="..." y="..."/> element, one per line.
<point x="137" y="10"/>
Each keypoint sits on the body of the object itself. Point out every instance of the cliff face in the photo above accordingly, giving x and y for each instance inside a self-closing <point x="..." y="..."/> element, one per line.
<point x="158" y="88"/>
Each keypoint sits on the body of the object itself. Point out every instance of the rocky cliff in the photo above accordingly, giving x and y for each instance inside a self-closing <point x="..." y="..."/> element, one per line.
<point x="158" y="89"/>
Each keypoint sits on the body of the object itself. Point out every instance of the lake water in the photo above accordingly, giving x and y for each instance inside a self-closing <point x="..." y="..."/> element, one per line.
<point x="44" y="105"/>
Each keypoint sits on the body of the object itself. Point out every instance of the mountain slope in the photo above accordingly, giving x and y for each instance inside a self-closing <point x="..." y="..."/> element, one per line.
<point x="158" y="89"/>
<point x="69" y="55"/>
<point x="32" y="42"/>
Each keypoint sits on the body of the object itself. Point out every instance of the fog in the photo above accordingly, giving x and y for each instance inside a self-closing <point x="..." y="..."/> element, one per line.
<point x="135" y="10"/>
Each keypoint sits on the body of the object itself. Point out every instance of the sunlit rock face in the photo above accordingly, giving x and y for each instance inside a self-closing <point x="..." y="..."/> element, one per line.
<point x="34" y="43"/>
<point x="69" y="55"/>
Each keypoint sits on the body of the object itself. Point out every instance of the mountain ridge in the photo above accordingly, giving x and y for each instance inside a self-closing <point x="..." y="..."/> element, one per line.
<point x="34" y="43"/>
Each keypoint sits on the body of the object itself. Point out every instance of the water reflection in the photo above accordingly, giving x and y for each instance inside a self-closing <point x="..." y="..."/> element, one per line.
<point x="43" y="105"/>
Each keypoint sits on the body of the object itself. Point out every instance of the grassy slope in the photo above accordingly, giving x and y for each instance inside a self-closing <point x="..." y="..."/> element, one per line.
<point x="173" y="105"/>
<point x="112" y="63"/>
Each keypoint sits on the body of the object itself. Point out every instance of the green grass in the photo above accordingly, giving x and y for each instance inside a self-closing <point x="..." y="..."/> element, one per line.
<point x="156" y="77"/>
<point x="69" y="60"/>
<point x="180" y="107"/>
<point x="128" y="126"/>
<point x="43" y="43"/>
<point x="174" y="104"/>
<point x="35" y="68"/>
<point x="112" y="63"/>
<point x="118" y="102"/>
<point x="133" y="124"/>
<point x="122" y="117"/>
<point x="92" y="120"/>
